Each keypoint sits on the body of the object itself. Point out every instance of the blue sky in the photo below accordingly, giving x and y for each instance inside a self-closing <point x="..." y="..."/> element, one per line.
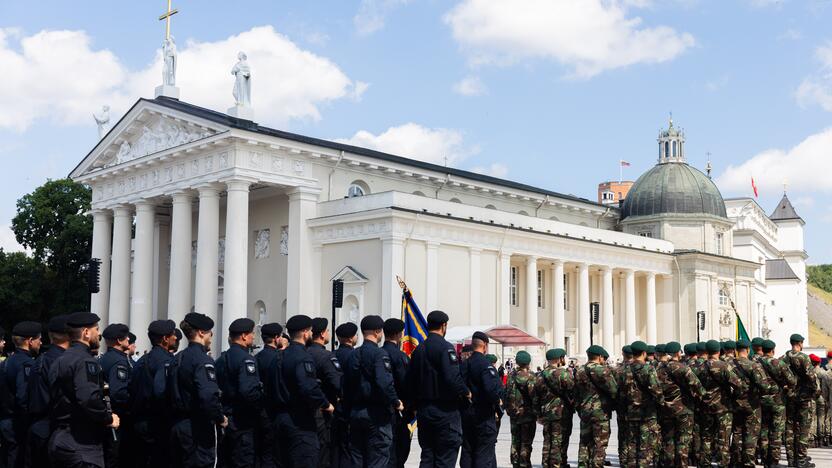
<point x="548" y="92"/>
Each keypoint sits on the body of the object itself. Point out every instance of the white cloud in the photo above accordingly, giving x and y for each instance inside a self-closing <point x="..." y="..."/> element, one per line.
<point x="590" y="36"/>
<point x="495" y="170"/>
<point x="817" y="88"/>
<point x="470" y="86"/>
<point x="415" y="141"/>
<point x="805" y="167"/>
<point x="791" y="34"/>
<point x="7" y="240"/>
<point x="57" y="75"/>
<point x="373" y="13"/>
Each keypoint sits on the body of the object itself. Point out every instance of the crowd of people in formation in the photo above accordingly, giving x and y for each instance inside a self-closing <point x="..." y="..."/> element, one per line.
<point x="296" y="404"/>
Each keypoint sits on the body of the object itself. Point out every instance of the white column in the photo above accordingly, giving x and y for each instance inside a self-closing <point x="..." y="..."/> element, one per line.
<point x="235" y="290"/>
<point x="141" y="296"/>
<point x="504" y="279"/>
<point x="531" y="296"/>
<point x="179" y="291"/>
<point x="474" y="286"/>
<point x="102" y="223"/>
<point x="392" y="265"/>
<point x="583" y="308"/>
<point x="606" y="311"/>
<point x="558" y="317"/>
<point x="207" y="252"/>
<point x="432" y="276"/>
<point x="630" y="305"/>
<point x="301" y="284"/>
<point x="119" y="310"/>
<point x="651" y="307"/>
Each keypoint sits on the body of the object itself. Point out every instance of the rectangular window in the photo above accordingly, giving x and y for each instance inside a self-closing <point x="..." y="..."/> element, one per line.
<point x="540" y="283"/>
<point x="719" y="238"/>
<point x="513" y="287"/>
<point x="724" y="301"/>
<point x="646" y="234"/>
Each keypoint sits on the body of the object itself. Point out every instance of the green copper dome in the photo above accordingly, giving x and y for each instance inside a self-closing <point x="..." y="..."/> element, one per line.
<point x="673" y="188"/>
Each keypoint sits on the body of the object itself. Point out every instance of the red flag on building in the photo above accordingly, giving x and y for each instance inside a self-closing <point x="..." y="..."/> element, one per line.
<point x="754" y="186"/>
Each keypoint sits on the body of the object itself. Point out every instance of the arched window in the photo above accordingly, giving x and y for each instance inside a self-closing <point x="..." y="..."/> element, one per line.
<point x="522" y="212"/>
<point x="419" y="193"/>
<point x="490" y="207"/>
<point x="358" y="188"/>
<point x="666" y="149"/>
<point x="674" y="149"/>
<point x="455" y="200"/>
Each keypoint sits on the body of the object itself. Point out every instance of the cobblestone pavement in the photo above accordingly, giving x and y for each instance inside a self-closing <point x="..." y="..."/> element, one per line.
<point x="821" y="457"/>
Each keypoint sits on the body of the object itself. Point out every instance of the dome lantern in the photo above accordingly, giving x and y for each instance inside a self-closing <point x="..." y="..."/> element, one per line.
<point x="671" y="144"/>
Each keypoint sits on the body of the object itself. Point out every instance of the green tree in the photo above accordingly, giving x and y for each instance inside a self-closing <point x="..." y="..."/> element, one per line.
<point x="23" y="295"/>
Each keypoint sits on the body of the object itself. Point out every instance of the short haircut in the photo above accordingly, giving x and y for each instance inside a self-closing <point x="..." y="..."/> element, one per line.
<point x="298" y="333"/>
<point x="637" y="354"/>
<point x="18" y="340"/>
<point x="187" y="330"/>
<point x="58" y="337"/>
<point x="477" y="343"/>
<point x="75" y="333"/>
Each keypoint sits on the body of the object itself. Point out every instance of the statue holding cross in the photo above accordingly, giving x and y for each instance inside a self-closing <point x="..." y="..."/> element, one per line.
<point x="169" y="60"/>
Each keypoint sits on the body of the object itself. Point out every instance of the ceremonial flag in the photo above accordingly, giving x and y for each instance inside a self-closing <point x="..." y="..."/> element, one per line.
<point x="742" y="334"/>
<point x="624" y="163"/>
<point x="754" y="186"/>
<point x="415" y="325"/>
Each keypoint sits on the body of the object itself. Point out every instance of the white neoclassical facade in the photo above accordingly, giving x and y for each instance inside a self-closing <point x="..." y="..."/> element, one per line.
<point x="195" y="208"/>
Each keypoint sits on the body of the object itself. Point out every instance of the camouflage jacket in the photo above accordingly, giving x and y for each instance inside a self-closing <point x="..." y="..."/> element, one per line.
<point x="720" y="383"/>
<point x="554" y="394"/>
<point x="783" y="377"/>
<point x="618" y="373"/>
<point x="519" y="390"/>
<point x="824" y="380"/>
<point x="758" y="382"/>
<point x="640" y="391"/>
<point x="595" y="390"/>
<point x="801" y="366"/>
<point x="681" y="388"/>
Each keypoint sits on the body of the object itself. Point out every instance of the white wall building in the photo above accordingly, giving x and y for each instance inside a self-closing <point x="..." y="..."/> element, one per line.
<point x="236" y="219"/>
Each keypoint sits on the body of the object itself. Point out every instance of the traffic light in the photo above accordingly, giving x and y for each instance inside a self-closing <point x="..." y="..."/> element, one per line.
<point x="93" y="275"/>
<point x="337" y="294"/>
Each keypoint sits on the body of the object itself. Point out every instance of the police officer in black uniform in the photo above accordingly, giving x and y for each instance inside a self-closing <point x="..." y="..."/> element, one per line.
<point x="346" y="334"/>
<point x="117" y="367"/>
<point x="264" y="433"/>
<point x="296" y="428"/>
<point x="479" y="424"/>
<point x="18" y="367"/>
<point x="434" y="377"/>
<point x="194" y="397"/>
<point x="400" y="448"/>
<point x="131" y="349"/>
<point x="370" y="398"/>
<point x="242" y="395"/>
<point x="38" y="394"/>
<point x="79" y="412"/>
<point x="151" y="422"/>
<point x="328" y="370"/>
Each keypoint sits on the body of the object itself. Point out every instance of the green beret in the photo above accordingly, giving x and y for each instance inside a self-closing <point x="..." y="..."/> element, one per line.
<point x="627" y="350"/>
<point x="550" y="354"/>
<point x="605" y="354"/>
<point x="701" y="347"/>
<point x="672" y="347"/>
<point x="523" y="357"/>
<point x="730" y="344"/>
<point x="757" y="341"/>
<point x="768" y="345"/>
<point x="796" y="338"/>
<point x="651" y="349"/>
<point x="596" y="350"/>
<point x="712" y="346"/>
<point x="492" y="358"/>
<point x="660" y="348"/>
<point x="639" y="347"/>
<point x="743" y="344"/>
<point x="690" y="348"/>
<point x="557" y="353"/>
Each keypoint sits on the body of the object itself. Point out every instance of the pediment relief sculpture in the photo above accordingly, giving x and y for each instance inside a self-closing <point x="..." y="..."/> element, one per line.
<point x="161" y="135"/>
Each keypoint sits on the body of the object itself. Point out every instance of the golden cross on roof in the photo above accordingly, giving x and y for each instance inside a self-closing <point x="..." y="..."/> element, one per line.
<point x="166" y="17"/>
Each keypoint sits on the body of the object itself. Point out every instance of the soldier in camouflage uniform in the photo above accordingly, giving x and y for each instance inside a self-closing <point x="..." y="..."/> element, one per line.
<point x="757" y="356"/>
<point x="552" y="393"/>
<point x="621" y="410"/>
<point x="642" y="394"/>
<point x="682" y="390"/>
<point x="773" y="406"/>
<point x="595" y="393"/>
<point x="798" y="420"/>
<point x="819" y="420"/>
<point x="720" y="384"/>
<point x="520" y="409"/>
<point x="747" y="412"/>
<point x="827" y="440"/>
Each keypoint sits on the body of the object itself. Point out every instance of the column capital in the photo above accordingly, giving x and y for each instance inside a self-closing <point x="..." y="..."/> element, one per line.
<point x="208" y="189"/>
<point x="475" y="250"/>
<point x="101" y="213"/>
<point x="556" y="263"/>
<point x="432" y="244"/>
<point x="303" y="193"/>
<point x="122" y="210"/>
<point x="627" y="272"/>
<point x="238" y="184"/>
<point x="392" y="239"/>
<point x="505" y="254"/>
<point x="650" y="274"/>
<point x="182" y="196"/>
<point x="530" y="259"/>
<point x="604" y="268"/>
<point x="144" y="205"/>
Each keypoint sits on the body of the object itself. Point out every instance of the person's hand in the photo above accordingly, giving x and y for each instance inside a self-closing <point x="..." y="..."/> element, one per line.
<point x="328" y="409"/>
<point x="115" y="423"/>
<point x="224" y="422"/>
<point x="400" y="407"/>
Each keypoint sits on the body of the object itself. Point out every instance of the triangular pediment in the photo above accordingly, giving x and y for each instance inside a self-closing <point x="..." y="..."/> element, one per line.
<point x="349" y="274"/>
<point x="147" y="128"/>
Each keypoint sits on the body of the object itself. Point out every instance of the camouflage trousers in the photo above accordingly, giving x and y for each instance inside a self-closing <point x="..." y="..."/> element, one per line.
<point x="522" y="436"/>
<point x="745" y="433"/>
<point x="716" y="439"/>
<point x="623" y="440"/>
<point x="798" y="422"/>
<point x="595" y="435"/>
<point x="644" y="436"/>
<point x="771" y="434"/>
<point x="567" y="433"/>
<point x="555" y="443"/>
<point x="696" y="441"/>
<point x="819" y="427"/>
<point x="676" y="435"/>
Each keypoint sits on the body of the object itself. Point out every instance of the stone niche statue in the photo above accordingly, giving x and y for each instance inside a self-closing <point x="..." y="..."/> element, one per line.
<point x="242" y="81"/>
<point x="103" y="121"/>
<point x="169" y="57"/>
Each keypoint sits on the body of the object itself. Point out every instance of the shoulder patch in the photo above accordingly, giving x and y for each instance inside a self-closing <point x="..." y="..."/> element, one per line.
<point x="309" y="368"/>
<point x="27" y="370"/>
<point x="335" y="363"/>
<point x="492" y="371"/>
<point x="386" y="360"/>
<point x="93" y="368"/>
<point x="452" y="355"/>
<point x="122" y="373"/>
<point x="210" y="372"/>
<point x="251" y="368"/>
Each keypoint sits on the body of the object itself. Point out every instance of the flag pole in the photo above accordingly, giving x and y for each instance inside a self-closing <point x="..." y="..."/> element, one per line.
<point x="620" y="172"/>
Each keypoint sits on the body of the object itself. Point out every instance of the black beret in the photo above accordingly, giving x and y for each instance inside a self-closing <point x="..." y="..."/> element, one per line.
<point x="131" y="338"/>
<point x="437" y="318"/>
<point x="639" y="347"/>
<point x="241" y="325"/>
<point x="672" y="348"/>
<point x="393" y="326"/>
<point x="480" y="336"/>
<point x="178" y="333"/>
<point x="346" y="330"/>
<point x="27" y="329"/>
<point x="116" y="331"/>
<point x="298" y="323"/>
<point x="57" y="324"/>
<point x="162" y="327"/>
<point x="467" y="348"/>
<point x="82" y="319"/>
<point x="271" y="329"/>
<point x="319" y="324"/>
<point x="372" y="322"/>
<point x="198" y="321"/>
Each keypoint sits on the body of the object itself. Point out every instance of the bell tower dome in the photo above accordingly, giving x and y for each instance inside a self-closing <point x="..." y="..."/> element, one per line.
<point x="671" y="144"/>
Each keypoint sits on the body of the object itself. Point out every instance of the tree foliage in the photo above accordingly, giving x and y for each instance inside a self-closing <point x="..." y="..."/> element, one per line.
<point x="820" y="276"/>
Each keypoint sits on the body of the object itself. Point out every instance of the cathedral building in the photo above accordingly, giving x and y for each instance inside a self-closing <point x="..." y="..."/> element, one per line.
<point x="195" y="208"/>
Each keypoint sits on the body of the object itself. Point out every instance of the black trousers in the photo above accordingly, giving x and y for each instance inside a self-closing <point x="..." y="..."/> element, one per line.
<point x="265" y="447"/>
<point x="323" y="424"/>
<point x="440" y="436"/>
<point x="370" y="439"/>
<point x="150" y="440"/>
<point x="8" y="443"/>
<point x="66" y="452"/>
<point x="479" y="437"/>
<point x="193" y="444"/>
<point x="400" y="449"/>
<point x="237" y="447"/>
<point x="297" y="441"/>
<point x="37" y="445"/>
